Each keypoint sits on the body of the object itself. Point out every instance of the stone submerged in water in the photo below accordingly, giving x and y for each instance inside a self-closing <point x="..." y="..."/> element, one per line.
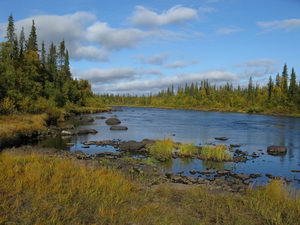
<point x="119" y="128"/>
<point x="112" y="121"/>
<point x="221" y="138"/>
<point x="100" y="117"/>
<point x="276" y="150"/>
<point x="78" y="132"/>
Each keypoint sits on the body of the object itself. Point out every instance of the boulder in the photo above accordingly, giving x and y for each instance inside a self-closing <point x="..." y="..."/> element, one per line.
<point x="221" y="138"/>
<point x="119" y="128"/>
<point x="67" y="133"/>
<point x="276" y="150"/>
<point x="132" y="146"/>
<point x="100" y="117"/>
<point x="86" y="131"/>
<point x="87" y="119"/>
<point x="112" y="121"/>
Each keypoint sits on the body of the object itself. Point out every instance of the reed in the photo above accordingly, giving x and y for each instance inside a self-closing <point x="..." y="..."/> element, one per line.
<point x="162" y="150"/>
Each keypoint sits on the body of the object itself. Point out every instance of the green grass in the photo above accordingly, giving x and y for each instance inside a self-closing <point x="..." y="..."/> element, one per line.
<point x="38" y="189"/>
<point x="217" y="153"/>
<point x="162" y="150"/>
<point x="187" y="150"/>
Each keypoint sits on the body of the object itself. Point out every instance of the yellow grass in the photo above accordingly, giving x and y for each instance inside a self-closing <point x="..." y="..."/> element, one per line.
<point x="215" y="153"/>
<point x="40" y="190"/>
<point x="188" y="150"/>
<point x="13" y="127"/>
<point x="162" y="149"/>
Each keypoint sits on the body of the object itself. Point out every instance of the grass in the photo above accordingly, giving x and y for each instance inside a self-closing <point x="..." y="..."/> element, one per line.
<point x="162" y="150"/>
<point x="15" y="127"/>
<point x="217" y="153"/>
<point x="187" y="150"/>
<point x="38" y="189"/>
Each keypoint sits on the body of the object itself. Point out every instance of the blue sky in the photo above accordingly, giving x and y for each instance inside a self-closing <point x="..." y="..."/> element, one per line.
<point x="139" y="46"/>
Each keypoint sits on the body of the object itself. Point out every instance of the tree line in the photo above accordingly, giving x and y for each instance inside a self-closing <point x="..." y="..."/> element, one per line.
<point x="280" y="95"/>
<point x="33" y="78"/>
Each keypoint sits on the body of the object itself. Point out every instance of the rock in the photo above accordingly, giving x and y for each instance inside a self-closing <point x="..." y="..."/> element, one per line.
<point x="69" y="127"/>
<point x="100" y="117"/>
<point x="67" y="133"/>
<point x="239" y="159"/>
<point x="119" y="128"/>
<point x="276" y="150"/>
<point x="235" y="145"/>
<point x="193" y="172"/>
<point x="221" y="138"/>
<point x="132" y="146"/>
<point x="70" y="144"/>
<point x="295" y="171"/>
<point x="86" y="131"/>
<point x="112" y="121"/>
<point x="206" y="172"/>
<point x="87" y="119"/>
<point x="85" y="146"/>
<point x="240" y="176"/>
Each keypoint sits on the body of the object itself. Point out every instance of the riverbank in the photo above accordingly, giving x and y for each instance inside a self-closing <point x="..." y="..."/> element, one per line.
<point x="45" y="186"/>
<point x="223" y="110"/>
<point x="16" y="129"/>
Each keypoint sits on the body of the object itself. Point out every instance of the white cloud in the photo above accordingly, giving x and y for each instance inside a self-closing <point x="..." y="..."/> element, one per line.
<point x="286" y="25"/>
<point x="90" y="53"/>
<point x="158" y="59"/>
<point x="180" y="64"/>
<point x="227" y="30"/>
<point x="112" y="38"/>
<point x="157" y="84"/>
<point x="146" y="18"/>
<point x="107" y="76"/>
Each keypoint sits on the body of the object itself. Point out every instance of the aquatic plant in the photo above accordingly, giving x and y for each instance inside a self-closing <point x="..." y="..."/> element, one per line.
<point x="162" y="150"/>
<point x="215" y="153"/>
<point x="187" y="149"/>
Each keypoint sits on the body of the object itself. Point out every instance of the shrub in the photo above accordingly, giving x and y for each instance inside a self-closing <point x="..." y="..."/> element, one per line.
<point x="188" y="150"/>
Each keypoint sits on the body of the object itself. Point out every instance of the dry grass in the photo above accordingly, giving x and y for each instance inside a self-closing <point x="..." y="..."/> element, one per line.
<point x="217" y="153"/>
<point x="162" y="149"/>
<point x="14" y="127"/>
<point x="40" y="190"/>
<point x="187" y="150"/>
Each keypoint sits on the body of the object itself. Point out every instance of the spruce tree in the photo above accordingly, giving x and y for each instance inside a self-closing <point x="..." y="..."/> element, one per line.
<point x="293" y="85"/>
<point x="61" y="55"/>
<point x="22" y="41"/>
<point x="43" y="54"/>
<point x="32" y="40"/>
<point x="270" y="88"/>
<point x="10" y="31"/>
<point x="285" y="77"/>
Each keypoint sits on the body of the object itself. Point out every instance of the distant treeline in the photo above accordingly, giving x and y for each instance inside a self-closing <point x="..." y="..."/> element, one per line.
<point x="281" y="95"/>
<point x="33" y="79"/>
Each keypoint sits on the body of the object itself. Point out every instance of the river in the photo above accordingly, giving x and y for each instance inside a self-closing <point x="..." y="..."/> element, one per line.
<point x="254" y="132"/>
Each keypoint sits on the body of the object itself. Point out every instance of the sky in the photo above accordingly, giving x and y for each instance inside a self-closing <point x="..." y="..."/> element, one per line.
<point x="143" y="46"/>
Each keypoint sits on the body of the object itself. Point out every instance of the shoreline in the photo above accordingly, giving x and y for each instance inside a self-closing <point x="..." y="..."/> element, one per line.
<point x="292" y="115"/>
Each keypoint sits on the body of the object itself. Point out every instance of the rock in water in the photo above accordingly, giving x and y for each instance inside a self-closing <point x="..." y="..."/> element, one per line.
<point x="119" y="128"/>
<point x="112" y="121"/>
<point x="221" y="138"/>
<point x="277" y="150"/>
<point x="86" y="131"/>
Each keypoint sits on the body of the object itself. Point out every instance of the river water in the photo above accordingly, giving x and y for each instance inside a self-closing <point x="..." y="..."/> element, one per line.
<point x="254" y="132"/>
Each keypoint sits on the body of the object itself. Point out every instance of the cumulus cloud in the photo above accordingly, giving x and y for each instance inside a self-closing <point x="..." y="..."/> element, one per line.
<point x="106" y="76"/>
<point x="157" y="84"/>
<point x="258" y="67"/>
<point x="286" y="25"/>
<point x="146" y="18"/>
<point x="158" y="59"/>
<point x="90" y="53"/>
<point x="227" y="30"/>
<point x="113" y="38"/>
<point x="180" y="64"/>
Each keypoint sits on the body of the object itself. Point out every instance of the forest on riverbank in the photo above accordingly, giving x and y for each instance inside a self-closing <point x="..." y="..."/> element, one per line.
<point x="37" y="79"/>
<point x="280" y="96"/>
